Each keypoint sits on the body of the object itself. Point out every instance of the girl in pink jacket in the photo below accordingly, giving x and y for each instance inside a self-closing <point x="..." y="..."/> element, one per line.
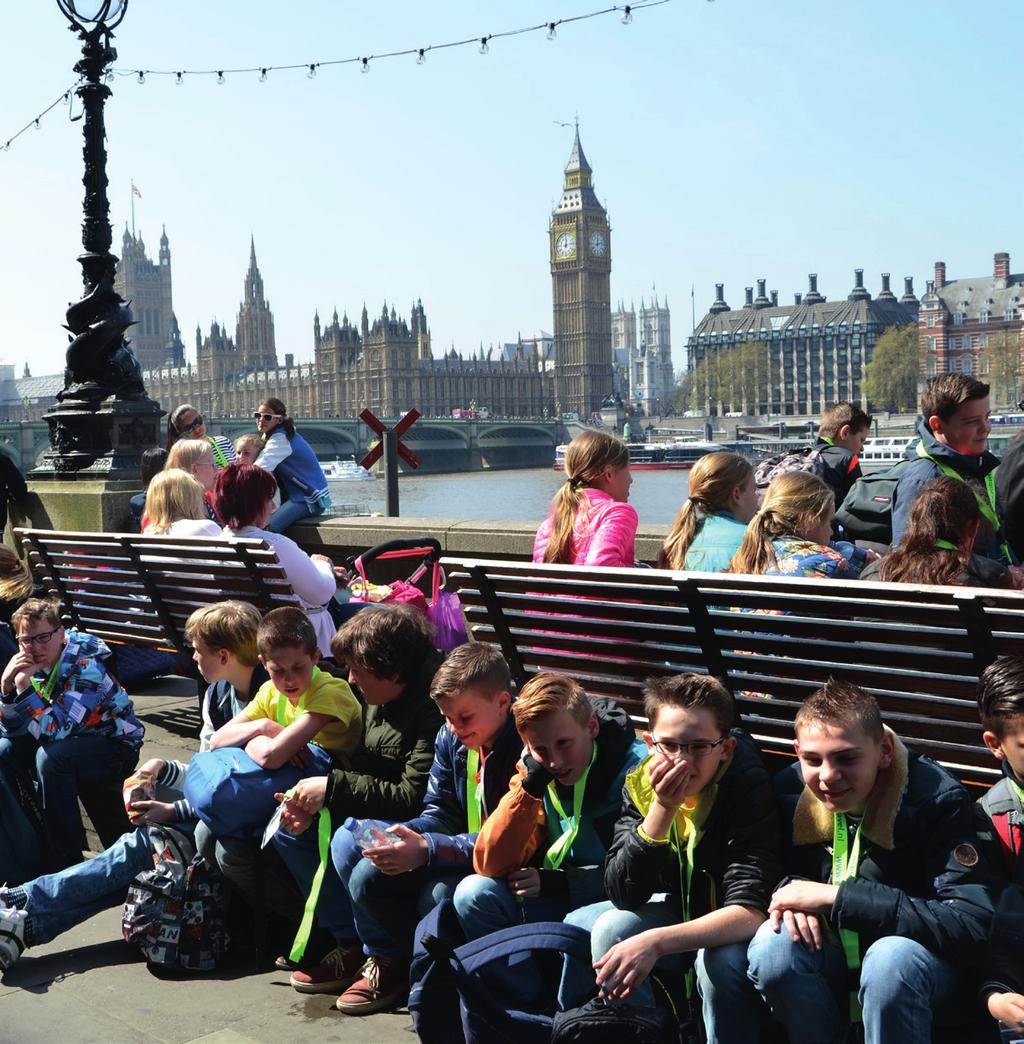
<point x="590" y="522"/>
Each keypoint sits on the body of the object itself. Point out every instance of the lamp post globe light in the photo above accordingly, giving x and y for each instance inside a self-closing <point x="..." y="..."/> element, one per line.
<point x="103" y="418"/>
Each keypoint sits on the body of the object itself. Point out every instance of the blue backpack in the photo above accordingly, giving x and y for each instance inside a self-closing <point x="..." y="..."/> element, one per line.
<point x="449" y="1000"/>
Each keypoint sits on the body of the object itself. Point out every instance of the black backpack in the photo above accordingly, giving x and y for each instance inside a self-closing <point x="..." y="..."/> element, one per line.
<point x="866" y="513"/>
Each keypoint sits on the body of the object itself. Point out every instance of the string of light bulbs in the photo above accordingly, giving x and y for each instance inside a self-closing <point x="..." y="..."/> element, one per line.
<point x="64" y="96"/>
<point x="482" y="43"/>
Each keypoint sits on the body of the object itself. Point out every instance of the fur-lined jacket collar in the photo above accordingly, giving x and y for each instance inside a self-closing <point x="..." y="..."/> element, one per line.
<point x="813" y="823"/>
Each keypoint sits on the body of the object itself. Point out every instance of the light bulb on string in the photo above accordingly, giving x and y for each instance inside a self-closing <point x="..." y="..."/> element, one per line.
<point x="177" y="79"/>
<point x="37" y="123"/>
<point x="109" y="78"/>
<point x="627" y="15"/>
<point x="141" y="77"/>
<point x="263" y="75"/>
<point x="7" y="146"/>
<point x="552" y="35"/>
<point x="366" y="65"/>
<point x="421" y="56"/>
<point x="312" y="71"/>
<point x="483" y="44"/>
<point x="220" y="76"/>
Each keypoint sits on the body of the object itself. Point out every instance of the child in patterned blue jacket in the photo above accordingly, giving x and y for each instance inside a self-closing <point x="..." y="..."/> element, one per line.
<point x="408" y="868"/>
<point x="63" y="715"/>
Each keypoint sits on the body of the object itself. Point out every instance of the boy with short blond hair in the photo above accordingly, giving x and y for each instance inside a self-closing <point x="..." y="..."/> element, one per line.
<point x="393" y="882"/>
<point x="64" y="718"/>
<point x="887" y="911"/>
<point x="541" y="852"/>
<point x="841" y="434"/>
<point x="699" y="808"/>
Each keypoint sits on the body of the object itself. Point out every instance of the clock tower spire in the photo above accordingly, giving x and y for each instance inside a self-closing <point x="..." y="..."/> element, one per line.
<point x="580" y="252"/>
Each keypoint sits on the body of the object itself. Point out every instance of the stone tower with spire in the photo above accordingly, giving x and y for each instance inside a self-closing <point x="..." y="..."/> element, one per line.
<point x="146" y="286"/>
<point x="652" y="380"/>
<point x="254" y="331"/>
<point x="580" y="246"/>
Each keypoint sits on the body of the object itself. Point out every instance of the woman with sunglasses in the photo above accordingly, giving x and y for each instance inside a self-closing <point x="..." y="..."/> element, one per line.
<point x="186" y="422"/>
<point x="290" y="457"/>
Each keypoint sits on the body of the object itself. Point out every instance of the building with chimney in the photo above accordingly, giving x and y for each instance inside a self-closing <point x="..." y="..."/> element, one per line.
<point x="959" y="317"/>
<point x="803" y="356"/>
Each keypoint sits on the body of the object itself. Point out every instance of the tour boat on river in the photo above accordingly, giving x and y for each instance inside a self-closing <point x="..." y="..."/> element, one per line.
<point x="677" y="455"/>
<point x="345" y="470"/>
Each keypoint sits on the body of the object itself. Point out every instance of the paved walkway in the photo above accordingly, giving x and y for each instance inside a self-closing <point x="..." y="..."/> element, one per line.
<point x="88" y="985"/>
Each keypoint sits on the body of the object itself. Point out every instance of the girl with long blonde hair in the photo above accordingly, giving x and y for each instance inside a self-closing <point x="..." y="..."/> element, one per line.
<point x="589" y="522"/>
<point x="175" y="506"/>
<point x="791" y="534"/>
<point x="713" y="519"/>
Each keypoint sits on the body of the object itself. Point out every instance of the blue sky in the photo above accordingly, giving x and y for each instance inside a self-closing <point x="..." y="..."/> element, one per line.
<point x="730" y="141"/>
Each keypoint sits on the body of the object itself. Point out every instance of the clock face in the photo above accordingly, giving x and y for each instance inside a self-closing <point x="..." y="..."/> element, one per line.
<point x="565" y="245"/>
<point x="597" y="244"/>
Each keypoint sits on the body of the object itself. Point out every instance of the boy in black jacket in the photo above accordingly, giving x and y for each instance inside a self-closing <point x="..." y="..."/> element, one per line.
<point x="841" y="435"/>
<point x="888" y="886"/>
<point x="693" y="861"/>
<point x="1000" y="820"/>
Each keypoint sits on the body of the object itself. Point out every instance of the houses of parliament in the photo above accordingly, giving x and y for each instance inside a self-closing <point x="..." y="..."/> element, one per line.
<point x="382" y="360"/>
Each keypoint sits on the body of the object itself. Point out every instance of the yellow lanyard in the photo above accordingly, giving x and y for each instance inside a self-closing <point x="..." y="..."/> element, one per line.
<point x="474" y="812"/>
<point x="46" y="691"/>
<point x="556" y="854"/>
<point x="844" y="867"/>
<point x="218" y="454"/>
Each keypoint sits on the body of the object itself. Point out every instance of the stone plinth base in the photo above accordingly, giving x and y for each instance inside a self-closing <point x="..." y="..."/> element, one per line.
<point x="82" y="505"/>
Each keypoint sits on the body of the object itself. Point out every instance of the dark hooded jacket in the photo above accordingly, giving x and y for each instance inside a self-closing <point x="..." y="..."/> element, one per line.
<point x="921" y="471"/>
<point x="387" y="775"/>
<point x="520" y="830"/>
<point x="921" y="873"/>
<point x="842" y="468"/>
<point x="737" y="859"/>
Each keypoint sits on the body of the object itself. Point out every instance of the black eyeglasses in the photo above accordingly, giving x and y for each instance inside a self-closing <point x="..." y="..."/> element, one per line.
<point x="197" y="423"/>
<point x="36" y="639"/>
<point x="696" y="749"/>
<point x="268" y="416"/>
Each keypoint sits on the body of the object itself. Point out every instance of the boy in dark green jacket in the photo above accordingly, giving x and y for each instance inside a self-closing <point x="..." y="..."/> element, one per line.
<point x="887" y="911"/>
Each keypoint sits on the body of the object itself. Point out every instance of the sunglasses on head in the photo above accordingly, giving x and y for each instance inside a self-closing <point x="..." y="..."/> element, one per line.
<point x="268" y="416"/>
<point x="197" y="423"/>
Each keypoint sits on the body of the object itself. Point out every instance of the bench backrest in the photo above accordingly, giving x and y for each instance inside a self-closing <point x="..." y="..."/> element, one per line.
<point x="772" y="641"/>
<point x="141" y="590"/>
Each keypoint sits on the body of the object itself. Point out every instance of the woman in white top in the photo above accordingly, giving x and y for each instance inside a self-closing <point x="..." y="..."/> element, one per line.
<point x="175" y="506"/>
<point x="186" y="422"/>
<point x="245" y="500"/>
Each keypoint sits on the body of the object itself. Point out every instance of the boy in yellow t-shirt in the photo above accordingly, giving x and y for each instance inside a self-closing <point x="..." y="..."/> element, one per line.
<point x="299" y="705"/>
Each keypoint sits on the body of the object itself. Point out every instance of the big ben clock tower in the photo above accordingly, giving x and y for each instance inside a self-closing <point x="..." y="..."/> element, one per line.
<point x="580" y="289"/>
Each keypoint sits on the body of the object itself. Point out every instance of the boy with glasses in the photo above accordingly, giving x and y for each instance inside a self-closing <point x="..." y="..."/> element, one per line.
<point x="695" y="856"/>
<point x="65" y="716"/>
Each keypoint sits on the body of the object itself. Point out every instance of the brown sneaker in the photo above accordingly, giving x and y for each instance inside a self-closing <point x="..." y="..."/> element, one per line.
<point x="383" y="985"/>
<point x="338" y="970"/>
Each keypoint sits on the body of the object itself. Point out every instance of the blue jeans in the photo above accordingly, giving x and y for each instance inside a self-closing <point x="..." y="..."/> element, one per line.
<point x="901" y="984"/>
<point x="301" y="854"/>
<point x="609" y="925"/>
<point x="387" y="907"/>
<point x="57" y="902"/>
<point x="60" y="766"/>
<point x="291" y="511"/>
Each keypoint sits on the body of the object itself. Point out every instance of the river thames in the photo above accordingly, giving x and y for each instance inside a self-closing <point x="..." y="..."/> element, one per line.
<point x="513" y="495"/>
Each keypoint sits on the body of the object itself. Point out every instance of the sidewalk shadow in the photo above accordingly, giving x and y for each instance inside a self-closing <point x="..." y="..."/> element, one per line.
<point x="36" y="974"/>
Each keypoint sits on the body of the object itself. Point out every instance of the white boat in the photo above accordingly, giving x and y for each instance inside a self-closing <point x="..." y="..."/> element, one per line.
<point x="338" y="470"/>
<point x="884" y="451"/>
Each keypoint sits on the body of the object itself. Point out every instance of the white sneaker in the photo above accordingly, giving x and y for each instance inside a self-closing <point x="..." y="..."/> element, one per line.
<point x="12" y="936"/>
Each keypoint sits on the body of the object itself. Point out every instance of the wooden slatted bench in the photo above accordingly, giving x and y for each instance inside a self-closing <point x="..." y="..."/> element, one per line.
<point x="917" y="649"/>
<point x="140" y="590"/>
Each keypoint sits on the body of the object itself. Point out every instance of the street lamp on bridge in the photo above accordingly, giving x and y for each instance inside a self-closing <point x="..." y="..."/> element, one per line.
<point x="103" y="419"/>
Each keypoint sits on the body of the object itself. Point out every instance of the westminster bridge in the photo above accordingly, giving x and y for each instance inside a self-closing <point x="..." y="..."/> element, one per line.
<point x="442" y="445"/>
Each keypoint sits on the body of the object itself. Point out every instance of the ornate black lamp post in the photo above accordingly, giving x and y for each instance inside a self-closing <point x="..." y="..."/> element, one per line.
<point x="103" y="419"/>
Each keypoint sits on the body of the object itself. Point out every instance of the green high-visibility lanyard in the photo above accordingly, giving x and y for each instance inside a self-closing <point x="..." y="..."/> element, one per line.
<point x="218" y="454"/>
<point x="323" y="843"/>
<point x="555" y="855"/>
<point x="945" y="545"/>
<point x="282" y="703"/>
<point x="474" y="812"/>
<point x="986" y="507"/>
<point x="844" y="866"/>
<point x="45" y="691"/>
<point x="685" y="880"/>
